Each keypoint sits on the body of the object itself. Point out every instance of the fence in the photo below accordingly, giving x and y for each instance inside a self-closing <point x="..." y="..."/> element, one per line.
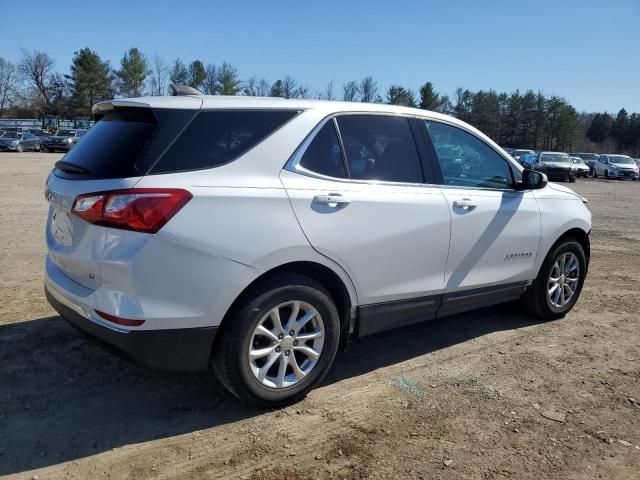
<point x="41" y="123"/>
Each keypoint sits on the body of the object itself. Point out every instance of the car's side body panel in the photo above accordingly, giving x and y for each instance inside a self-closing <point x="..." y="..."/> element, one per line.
<point x="391" y="239"/>
<point x="494" y="241"/>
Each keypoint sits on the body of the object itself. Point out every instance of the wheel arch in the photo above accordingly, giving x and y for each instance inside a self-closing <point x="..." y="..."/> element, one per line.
<point x="578" y="234"/>
<point x="343" y="297"/>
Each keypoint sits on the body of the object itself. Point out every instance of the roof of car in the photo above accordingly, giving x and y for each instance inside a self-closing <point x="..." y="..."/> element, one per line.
<point x="233" y="102"/>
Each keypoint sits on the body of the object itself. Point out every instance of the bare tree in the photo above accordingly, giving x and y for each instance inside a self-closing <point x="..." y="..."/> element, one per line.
<point x="303" y="92"/>
<point x="37" y="67"/>
<point x="369" y="91"/>
<point x="328" y="93"/>
<point x="210" y="85"/>
<point x="159" y="76"/>
<point x="8" y="83"/>
<point x="263" y="88"/>
<point x="289" y="87"/>
<point x="350" y="91"/>
<point x="257" y="88"/>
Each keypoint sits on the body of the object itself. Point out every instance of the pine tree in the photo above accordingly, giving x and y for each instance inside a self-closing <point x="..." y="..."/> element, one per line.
<point x="197" y="74"/>
<point x="132" y="74"/>
<point x="90" y="80"/>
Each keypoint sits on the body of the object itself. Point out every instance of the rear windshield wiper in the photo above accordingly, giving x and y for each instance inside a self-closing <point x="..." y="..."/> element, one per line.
<point x="70" y="167"/>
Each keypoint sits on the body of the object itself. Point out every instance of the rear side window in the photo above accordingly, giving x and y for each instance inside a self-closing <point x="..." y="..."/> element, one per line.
<point x="217" y="137"/>
<point x="324" y="155"/>
<point x="380" y="147"/>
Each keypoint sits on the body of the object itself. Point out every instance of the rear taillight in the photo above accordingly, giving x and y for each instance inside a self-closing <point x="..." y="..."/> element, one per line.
<point x="139" y="209"/>
<point x="127" y="322"/>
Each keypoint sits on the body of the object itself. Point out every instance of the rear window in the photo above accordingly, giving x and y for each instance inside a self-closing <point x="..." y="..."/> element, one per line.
<point x="217" y="137"/>
<point x="124" y="143"/>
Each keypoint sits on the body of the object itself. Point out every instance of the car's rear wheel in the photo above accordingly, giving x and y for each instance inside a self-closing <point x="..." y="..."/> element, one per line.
<point x="19" y="148"/>
<point x="279" y="343"/>
<point x="559" y="283"/>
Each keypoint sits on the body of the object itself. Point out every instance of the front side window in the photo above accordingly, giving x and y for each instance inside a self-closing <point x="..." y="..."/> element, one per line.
<point x="324" y="155"/>
<point x="380" y="147"/>
<point x="466" y="160"/>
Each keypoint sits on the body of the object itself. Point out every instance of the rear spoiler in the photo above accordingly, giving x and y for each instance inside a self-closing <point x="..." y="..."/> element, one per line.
<point x="183" y="100"/>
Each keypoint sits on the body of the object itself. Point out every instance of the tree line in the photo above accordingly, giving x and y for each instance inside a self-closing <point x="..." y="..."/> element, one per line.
<point x="33" y="87"/>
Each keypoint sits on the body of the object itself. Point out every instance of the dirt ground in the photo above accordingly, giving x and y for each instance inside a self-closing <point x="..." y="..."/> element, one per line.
<point x="486" y="395"/>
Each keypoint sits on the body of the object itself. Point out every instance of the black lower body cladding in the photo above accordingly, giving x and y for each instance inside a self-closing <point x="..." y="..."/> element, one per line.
<point x="184" y="349"/>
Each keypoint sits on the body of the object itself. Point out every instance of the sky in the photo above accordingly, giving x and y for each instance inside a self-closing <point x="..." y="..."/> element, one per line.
<point x="584" y="50"/>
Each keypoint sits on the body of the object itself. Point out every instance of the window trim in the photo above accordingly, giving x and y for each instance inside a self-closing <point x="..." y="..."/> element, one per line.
<point x="436" y="162"/>
<point x="293" y="164"/>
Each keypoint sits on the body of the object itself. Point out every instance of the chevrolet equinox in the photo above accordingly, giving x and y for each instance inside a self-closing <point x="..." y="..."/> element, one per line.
<point x="256" y="235"/>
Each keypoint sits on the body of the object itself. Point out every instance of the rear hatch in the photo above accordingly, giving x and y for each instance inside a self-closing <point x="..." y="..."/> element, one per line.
<point x="120" y="149"/>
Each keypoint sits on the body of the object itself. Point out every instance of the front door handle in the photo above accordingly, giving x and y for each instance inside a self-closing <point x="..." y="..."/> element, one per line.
<point x="465" y="203"/>
<point x="332" y="199"/>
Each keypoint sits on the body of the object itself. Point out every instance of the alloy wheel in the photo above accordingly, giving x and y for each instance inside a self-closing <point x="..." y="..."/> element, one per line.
<point x="563" y="279"/>
<point x="286" y="344"/>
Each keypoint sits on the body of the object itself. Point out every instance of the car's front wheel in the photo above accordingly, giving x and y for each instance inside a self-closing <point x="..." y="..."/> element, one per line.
<point x="279" y="343"/>
<point x="559" y="283"/>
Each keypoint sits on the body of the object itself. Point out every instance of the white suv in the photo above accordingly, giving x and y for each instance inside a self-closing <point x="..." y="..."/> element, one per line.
<point x="255" y="235"/>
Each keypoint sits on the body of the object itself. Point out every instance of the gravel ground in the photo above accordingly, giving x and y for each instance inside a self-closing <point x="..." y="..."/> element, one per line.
<point x="489" y="394"/>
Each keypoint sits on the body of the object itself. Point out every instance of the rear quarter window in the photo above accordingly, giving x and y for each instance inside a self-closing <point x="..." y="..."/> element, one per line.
<point x="217" y="137"/>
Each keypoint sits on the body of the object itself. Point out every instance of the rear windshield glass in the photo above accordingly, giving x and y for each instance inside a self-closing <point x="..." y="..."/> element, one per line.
<point x="217" y="137"/>
<point x="111" y="149"/>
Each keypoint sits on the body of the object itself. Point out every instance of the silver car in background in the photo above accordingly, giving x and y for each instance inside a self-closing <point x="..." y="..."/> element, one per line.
<point x="582" y="169"/>
<point x="616" y="166"/>
<point x="64" y="140"/>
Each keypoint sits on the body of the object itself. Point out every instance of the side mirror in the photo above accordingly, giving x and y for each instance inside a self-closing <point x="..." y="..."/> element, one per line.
<point x="532" y="180"/>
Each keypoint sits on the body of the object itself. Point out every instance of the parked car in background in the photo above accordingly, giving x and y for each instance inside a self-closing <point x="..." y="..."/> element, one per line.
<point x="616" y="166"/>
<point x="589" y="159"/>
<point x="19" y="141"/>
<point x="509" y="150"/>
<point x="154" y="219"/>
<point x="64" y="140"/>
<point x="518" y="152"/>
<point x="42" y="135"/>
<point x="556" y="165"/>
<point x="582" y="169"/>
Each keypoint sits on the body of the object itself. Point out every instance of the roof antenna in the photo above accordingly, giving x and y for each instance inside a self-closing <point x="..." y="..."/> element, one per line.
<point x="180" y="90"/>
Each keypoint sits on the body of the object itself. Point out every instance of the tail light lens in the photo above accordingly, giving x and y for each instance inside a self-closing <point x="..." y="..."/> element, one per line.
<point x="127" y="322"/>
<point x="144" y="210"/>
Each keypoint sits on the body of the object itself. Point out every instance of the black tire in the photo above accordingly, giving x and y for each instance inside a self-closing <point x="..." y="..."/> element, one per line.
<point x="536" y="298"/>
<point x="230" y="352"/>
<point x="50" y="150"/>
<point x="572" y="179"/>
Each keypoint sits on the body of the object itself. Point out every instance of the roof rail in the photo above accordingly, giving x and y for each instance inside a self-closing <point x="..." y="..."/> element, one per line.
<point x="180" y="90"/>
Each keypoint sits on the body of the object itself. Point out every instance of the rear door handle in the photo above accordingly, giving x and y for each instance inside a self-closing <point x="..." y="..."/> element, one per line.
<point x="464" y="203"/>
<point x="332" y="199"/>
